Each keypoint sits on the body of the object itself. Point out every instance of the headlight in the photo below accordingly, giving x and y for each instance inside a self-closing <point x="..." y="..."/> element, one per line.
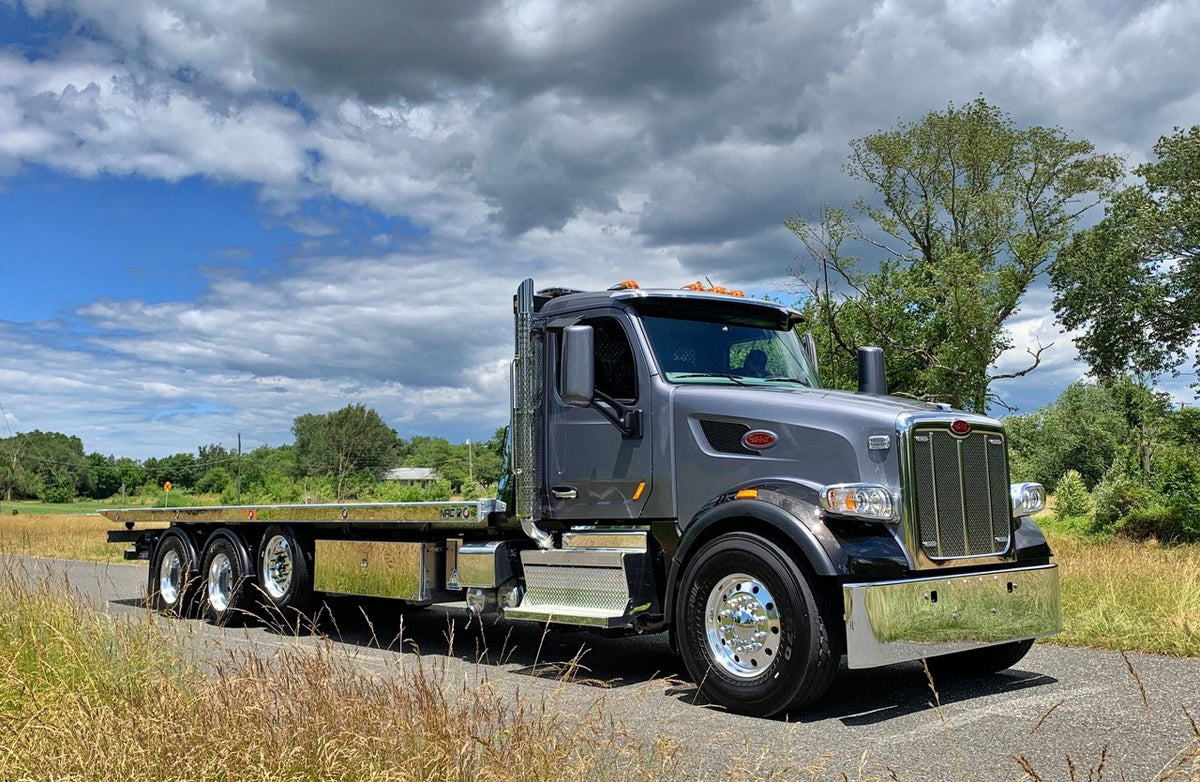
<point x="1027" y="498"/>
<point x="865" y="500"/>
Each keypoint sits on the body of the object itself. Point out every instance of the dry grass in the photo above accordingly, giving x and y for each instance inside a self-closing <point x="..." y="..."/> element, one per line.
<point x="84" y="696"/>
<point x="1128" y="596"/>
<point x="64" y="537"/>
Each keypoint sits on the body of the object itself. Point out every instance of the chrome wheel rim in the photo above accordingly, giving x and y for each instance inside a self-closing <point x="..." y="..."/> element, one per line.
<point x="220" y="582"/>
<point x="741" y="623"/>
<point x="276" y="575"/>
<point x="170" y="577"/>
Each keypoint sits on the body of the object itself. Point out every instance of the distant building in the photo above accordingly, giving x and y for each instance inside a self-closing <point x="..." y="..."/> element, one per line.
<point x="411" y="476"/>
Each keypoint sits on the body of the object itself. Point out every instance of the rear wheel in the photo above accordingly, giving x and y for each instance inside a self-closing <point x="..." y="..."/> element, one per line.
<point x="981" y="662"/>
<point x="172" y="578"/>
<point x="752" y="632"/>
<point x="285" y="573"/>
<point x="227" y="573"/>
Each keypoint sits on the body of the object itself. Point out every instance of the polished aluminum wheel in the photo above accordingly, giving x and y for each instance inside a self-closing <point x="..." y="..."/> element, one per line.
<point x="276" y="570"/>
<point x="170" y="577"/>
<point x="220" y="581"/>
<point x="741" y="622"/>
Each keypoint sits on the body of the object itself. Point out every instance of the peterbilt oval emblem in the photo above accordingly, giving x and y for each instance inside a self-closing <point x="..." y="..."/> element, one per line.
<point x="960" y="428"/>
<point x="758" y="439"/>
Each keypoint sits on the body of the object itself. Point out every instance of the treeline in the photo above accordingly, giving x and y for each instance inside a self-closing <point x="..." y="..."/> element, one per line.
<point x="1120" y="459"/>
<point x="336" y="456"/>
<point x="966" y="212"/>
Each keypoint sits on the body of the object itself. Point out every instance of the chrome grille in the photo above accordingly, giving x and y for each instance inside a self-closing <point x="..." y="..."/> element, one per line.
<point x="961" y="493"/>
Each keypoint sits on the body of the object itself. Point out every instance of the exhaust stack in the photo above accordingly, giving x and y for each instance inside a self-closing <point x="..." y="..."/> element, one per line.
<point x="525" y="387"/>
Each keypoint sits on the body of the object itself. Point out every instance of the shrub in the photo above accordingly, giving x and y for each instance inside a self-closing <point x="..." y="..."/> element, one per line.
<point x="1158" y="521"/>
<point x="56" y="494"/>
<point x="1071" y="498"/>
<point x="1115" y="497"/>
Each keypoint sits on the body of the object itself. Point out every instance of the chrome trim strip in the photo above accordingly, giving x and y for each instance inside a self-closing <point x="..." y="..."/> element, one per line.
<point x="895" y="621"/>
<point x="607" y="539"/>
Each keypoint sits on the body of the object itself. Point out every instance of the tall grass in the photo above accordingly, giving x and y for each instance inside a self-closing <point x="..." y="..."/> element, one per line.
<point x="1128" y="596"/>
<point x="65" y="537"/>
<point x="84" y="696"/>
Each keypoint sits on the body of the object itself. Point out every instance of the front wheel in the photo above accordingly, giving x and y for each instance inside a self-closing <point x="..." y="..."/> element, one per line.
<point x="751" y="630"/>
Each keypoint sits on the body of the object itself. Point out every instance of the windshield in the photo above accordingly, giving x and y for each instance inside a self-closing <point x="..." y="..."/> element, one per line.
<point x="696" y="351"/>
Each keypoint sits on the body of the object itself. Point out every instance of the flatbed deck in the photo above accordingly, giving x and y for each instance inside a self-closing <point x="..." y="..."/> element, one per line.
<point x="464" y="514"/>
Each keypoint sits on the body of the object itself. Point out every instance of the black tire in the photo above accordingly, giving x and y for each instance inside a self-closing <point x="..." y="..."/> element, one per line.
<point x="172" y="580"/>
<point x="226" y="596"/>
<point x="284" y="562"/>
<point x="981" y="662"/>
<point x="797" y="663"/>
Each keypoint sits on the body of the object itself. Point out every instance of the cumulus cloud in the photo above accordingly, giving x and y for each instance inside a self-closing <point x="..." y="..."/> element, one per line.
<point x="577" y="142"/>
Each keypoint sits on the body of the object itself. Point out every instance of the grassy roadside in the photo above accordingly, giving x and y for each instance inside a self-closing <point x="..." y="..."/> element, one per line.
<point x="84" y="696"/>
<point x="1128" y="596"/>
<point x="1116" y="594"/>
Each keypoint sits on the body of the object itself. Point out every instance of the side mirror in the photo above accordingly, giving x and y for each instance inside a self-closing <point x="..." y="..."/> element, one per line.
<point x="810" y="350"/>
<point x="872" y="376"/>
<point x="578" y="366"/>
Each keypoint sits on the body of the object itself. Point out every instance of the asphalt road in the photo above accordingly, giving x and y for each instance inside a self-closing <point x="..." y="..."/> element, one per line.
<point x="1085" y="700"/>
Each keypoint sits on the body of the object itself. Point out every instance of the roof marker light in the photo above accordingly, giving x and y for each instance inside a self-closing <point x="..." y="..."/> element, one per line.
<point x="695" y="286"/>
<point x="624" y="285"/>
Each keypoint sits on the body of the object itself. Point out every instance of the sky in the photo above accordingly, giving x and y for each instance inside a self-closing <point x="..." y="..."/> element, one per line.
<point x="216" y="215"/>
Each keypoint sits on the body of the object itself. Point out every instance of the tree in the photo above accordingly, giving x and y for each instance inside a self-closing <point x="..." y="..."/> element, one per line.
<point x="341" y="443"/>
<point x="969" y="209"/>
<point x="1131" y="283"/>
<point x="50" y="464"/>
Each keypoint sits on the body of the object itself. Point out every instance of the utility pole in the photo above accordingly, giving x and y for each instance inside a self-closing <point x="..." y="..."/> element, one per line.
<point x="239" y="471"/>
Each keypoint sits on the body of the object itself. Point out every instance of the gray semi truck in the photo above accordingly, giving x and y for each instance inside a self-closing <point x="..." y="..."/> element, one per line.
<point x="675" y="466"/>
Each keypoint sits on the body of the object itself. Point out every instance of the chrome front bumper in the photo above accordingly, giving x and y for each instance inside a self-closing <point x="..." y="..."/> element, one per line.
<point x="894" y="621"/>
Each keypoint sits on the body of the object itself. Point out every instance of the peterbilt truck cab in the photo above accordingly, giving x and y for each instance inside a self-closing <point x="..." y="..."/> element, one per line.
<point x="790" y="524"/>
<point x="675" y="466"/>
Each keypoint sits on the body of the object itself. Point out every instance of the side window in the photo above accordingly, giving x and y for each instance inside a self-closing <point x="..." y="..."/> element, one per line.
<point x="616" y="371"/>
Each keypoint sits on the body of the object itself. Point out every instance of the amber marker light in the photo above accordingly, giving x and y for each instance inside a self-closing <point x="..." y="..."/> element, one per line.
<point x="747" y="494"/>
<point x="641" y="487"/>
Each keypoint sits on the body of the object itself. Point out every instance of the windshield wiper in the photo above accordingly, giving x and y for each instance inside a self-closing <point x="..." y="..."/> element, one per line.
<point x="785" y="380"/>
<point x="734" y="378"/>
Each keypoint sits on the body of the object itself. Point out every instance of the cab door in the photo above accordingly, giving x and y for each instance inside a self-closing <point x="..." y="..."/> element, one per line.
<point x="593" y="471"/>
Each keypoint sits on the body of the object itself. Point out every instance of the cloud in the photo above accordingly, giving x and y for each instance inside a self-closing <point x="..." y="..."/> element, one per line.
<point x="577" y="142"/>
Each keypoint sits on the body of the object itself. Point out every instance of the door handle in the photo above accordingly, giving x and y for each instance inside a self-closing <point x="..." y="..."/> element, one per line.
<point x="564" y="492"/>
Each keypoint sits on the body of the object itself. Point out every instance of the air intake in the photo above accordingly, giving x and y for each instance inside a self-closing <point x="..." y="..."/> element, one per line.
<point x="726" y="436"/>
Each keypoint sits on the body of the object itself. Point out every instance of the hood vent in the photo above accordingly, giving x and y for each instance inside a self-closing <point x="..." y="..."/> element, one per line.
<point x="726" y="436"/>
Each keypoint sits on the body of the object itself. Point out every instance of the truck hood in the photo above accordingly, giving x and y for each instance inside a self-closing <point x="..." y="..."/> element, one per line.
<point x="821" y="434"/>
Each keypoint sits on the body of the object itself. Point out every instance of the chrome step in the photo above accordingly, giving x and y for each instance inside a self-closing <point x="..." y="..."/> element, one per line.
<point x="596" y="587"/>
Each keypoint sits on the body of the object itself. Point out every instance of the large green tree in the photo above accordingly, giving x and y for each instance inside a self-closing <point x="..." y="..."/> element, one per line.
<point x="967" y="209"/>
<point x="1131" y="283"/>
<point x="342" y="443"/>
<point x="47" y="465"/>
